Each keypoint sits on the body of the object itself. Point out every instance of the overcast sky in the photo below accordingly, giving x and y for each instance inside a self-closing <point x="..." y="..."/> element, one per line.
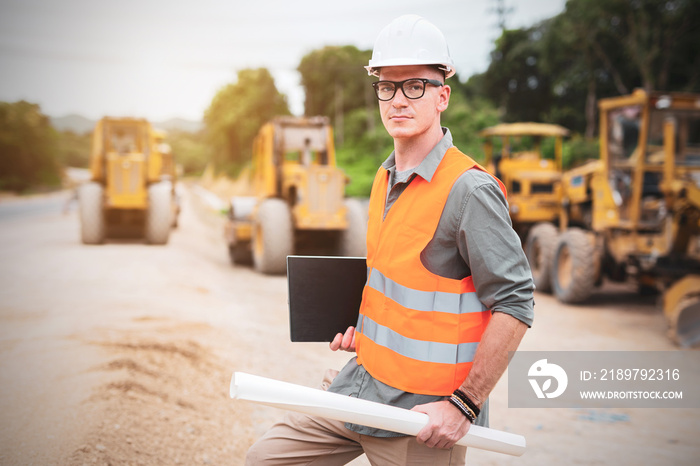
<point x="167" y="58"/>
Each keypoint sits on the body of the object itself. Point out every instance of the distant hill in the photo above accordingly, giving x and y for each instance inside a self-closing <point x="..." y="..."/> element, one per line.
<point x="80" y="125"/>
<point x="179" y="124"/>
<point x="76" y="123"/>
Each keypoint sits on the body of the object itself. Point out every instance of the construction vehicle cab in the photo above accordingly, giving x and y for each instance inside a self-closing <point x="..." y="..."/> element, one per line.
<point x="513" y="152"/>
<point x="634" y="215"/>
<point x="129" y="192"/>
<point x="295" y="201"/>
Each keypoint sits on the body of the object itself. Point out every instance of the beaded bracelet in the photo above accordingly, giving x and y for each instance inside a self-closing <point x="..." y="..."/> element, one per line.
<point x="468" y="408"/>
<point x="467" y="401"/>
<point x="468" y="413"/>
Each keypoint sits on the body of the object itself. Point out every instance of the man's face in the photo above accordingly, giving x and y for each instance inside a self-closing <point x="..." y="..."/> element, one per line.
<point x="410" y="118"/>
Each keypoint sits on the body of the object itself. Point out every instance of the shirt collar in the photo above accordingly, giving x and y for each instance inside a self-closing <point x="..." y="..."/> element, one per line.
<point x="426" y="169"/>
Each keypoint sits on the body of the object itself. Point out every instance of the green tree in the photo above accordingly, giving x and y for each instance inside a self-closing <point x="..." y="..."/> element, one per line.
<point x="618" y="45"/>
<point x="465" y="117"/>
<point x="364" y="149"/>
<point x="236" y="114"/>
<point x="556" y="71"/>
<point x="190" y="150"/>
<point x="578" y="76"/>
<point x="514" y="80"/>
<point x="649" y="32"/>
<point x="27" y="148"/>
<point x="336" y="84"/>
<point x="335" y="81"/>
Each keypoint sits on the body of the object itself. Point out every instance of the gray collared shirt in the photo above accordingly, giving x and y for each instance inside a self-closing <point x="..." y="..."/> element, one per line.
<point x="474" y="237"/>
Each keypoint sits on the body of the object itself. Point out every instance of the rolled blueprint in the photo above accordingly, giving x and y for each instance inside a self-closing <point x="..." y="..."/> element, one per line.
<point x="343" y="408"/>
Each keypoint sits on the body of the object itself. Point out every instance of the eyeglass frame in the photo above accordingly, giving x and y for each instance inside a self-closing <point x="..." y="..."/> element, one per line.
<point x="400" y="84"/>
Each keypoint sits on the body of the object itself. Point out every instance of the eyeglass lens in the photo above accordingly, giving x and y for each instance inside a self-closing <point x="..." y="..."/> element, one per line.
<point x="412" y="89"/>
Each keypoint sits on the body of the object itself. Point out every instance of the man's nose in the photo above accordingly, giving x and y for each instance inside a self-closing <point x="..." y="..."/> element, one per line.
<point x="400" y="99"/>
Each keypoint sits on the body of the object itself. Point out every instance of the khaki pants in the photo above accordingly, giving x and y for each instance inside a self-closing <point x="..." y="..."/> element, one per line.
<point x="307" y="440"/>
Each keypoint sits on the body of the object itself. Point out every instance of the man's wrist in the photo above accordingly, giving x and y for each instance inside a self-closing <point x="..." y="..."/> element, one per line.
<point x="463" y="408"/>
<point x="468" y="401"/>
<point x="470" y="393"/>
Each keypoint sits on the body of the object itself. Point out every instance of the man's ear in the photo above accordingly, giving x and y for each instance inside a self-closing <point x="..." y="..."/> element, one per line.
<point x="444" y="98"/>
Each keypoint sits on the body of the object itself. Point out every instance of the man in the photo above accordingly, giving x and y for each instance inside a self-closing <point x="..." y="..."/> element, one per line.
<point x="449" y="291"/>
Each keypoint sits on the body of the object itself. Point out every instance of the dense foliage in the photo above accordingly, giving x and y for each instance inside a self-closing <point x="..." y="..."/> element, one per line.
<point x="27" y="148"/>
<point x="236" y="114"/>
<point x="191" y="151"/>
<point x="338" y="81"/>
<point x="557" y="70"/>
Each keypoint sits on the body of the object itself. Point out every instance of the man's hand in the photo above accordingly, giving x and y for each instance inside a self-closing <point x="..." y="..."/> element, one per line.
<point x="445" y="427"/>
<point x="344" y="342"/>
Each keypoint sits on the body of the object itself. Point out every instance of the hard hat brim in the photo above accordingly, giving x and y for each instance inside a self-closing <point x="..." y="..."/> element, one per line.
<point x="373" y="68"/>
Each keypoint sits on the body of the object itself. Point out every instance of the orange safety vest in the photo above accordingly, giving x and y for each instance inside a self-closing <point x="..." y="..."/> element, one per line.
<point x="417" y="331"/>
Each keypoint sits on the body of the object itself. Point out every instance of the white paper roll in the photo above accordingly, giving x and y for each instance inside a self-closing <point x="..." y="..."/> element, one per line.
<point x="343" y="408"/>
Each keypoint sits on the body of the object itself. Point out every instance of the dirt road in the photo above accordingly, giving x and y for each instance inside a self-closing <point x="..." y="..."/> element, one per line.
<point x="122" y="354"/>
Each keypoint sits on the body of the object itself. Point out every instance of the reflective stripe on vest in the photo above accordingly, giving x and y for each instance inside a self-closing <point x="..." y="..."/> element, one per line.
<point x="417" y="331"/>
<point x="455" y="303"/>
<point x="420" y="350"/>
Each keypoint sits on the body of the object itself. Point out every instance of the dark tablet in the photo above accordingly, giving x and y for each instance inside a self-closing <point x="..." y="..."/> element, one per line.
<point x="324" y="295"/>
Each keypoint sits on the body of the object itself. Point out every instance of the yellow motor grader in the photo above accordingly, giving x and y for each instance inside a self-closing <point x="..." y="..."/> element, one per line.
<point x="295" y="202"/>
<point x="634" y="215"/>
<point x="131" y="189"/>
<point x="533" y="183"/>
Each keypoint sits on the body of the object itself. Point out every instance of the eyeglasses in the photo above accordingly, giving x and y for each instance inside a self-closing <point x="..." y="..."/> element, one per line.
<point x="413" y="88"/>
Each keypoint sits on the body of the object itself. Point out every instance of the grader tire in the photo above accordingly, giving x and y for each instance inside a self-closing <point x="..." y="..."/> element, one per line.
<point x="573" y="267"/>
<point x="539" y="248"/>
<point x="273" y="237"/>
<point x="158" y="214"/>
<point x="353" y="240"/>
<point x="681" y="303"/>
<point x="686" y="328"/>
<point x="92" y="216"/>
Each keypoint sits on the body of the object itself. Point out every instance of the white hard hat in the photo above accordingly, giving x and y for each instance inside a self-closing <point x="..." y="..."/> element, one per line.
<point x="410" y="40"/>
